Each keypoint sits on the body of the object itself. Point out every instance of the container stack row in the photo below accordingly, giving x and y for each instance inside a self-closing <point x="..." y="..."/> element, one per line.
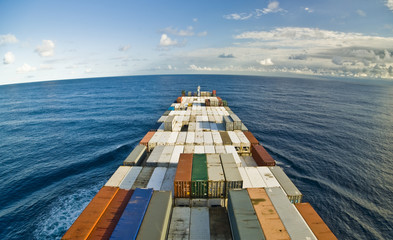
<point x="199" y="175"/>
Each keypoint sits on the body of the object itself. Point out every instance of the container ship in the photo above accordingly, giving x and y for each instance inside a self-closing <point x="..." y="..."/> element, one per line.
<point x="200" y="174"/>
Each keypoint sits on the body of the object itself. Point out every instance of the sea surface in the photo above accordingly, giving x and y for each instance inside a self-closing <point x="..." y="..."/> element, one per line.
<point x="60" y="141"/>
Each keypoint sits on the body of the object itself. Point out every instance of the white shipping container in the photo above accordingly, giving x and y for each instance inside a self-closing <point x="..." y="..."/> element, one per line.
<point x="176" y="154"/>
<point x="156" y="178"/>
<point x="234" y="138"/>
<point x="154" y="156"/>
<point x="118" y="176"/>
<point x="167" y="183"/>
<point x="199" y="149"/>
<point x="130" y="178"/>
<point x="244" y="142"/>
<point x="218" y="118"/>
<point x="165" y="158"/>
<point x="200" y="223"/>
<point x="220" y="149"/>
<point x="154" y="140"/>
<point x="217" y="140"/>
<point x="231" y="149"/>
<point x="186" y="119"/>
<point x="172" y="138"/>
<point x="189" y="149"/>
<point x="198" y="138"/>
<point x="180" y="224"/>
<point x="190" y="138"/>
<point x="164" y="138"/>
<point x="268" y="177"/>
<point x="246" y="179"/>
<point x="162" y="119"/>
<point x="209" y="149"/>
<point x="244" y="164"/>
<point x="192" y="126"/>
<point x="207" y="138"/>
<point x="255" y="177"/>
<point x="181" y="138"/>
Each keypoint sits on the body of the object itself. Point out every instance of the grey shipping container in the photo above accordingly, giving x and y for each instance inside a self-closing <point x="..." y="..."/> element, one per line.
<point x="143" y="178"/>
<point x="130" y="178"/>
<point x="155" y="156"/>
<point x="237" y="123"/>
<point x="167" y="183"/>
<point x="136" y="156"/>
<point x="180" y="224"/>
<point x="293" y="194"/>
<point x="156" y="221"/>
<point x="233" y="179"/>
<point x="216" y="179"/>
<point x="290" y="217"/>
<point x="228" y="123"/>
<point x="168" y="124"/>
<point x="242" y="217"/>
<point x="199" y="224"/>
<point x="219" y="224"/>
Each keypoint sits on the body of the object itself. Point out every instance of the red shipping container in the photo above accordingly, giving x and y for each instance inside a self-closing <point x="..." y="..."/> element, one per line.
<point x="182" y="182"/>
<point x="261" y="156"/>
<point x="214" y="92"/>
<point x="145" y="140"/>
<point x="251" y="138"/>
<point x="179" y="99"/>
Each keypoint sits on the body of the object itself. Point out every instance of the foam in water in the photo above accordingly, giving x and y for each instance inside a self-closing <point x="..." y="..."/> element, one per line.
<point x="64" y="211"/>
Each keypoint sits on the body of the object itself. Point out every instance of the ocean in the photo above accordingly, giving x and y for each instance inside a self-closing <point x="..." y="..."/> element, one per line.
<point x="62" y="140"/>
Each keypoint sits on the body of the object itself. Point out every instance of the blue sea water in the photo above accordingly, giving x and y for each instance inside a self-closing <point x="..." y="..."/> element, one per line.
<point x="62" y="140"/>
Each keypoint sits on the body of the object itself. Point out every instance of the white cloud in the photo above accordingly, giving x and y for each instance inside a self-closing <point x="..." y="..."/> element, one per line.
<point x="272" y="7"/>
<point x="9" y="58"/>
<point x="197" y="68"/>
<point x="88" y="70"/>
<point x="238" y="16"/>
<point x="361" y="13"/>
<point x="46" y="49"/>
<point x="8" y="38"/>
<point x="195" y="19"/>
<point x="202" y="34"/>
<point x="25" y="68"/>
<point x="166" y="41"/>
<point x="309" y="10"/>
<point x="389" y="4"/>
<point x="183" y="33"/>
<point x="124" y="48"/>
<point x="266" y="62"/>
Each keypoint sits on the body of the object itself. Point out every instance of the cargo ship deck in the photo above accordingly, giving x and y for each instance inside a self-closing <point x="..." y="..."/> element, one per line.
<point x="199" y="174"/>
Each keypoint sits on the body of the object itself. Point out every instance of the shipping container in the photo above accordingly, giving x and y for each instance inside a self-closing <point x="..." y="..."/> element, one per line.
<point x="166" y="113"/>
<point x="244" y="142"/>
<point x="213" y="125"/>
<point x="172" y="138"/>
<point x="108" y="221"/>
<point x="132" y="217"/>
<point x="154" y="156"/>
<point x="199" y="149"/>
<point x="164" y="138"/>
<point x="268" y="218"/>
<point x="199" y="178"/>
<point x="220" y="149"/>
<point x="246" y="180"/>
<point x="290" y="217"/>
<point x="154" y="140"/>
<point x="88" y="219"/>
<point x="156" y="221"/>
<point x="261" y="156"/>
<point x="209" y="149"/>
<point x="136" y="156"/>
<point x="145" y="140"/>
<point x="182" y="183"/>
<point x="255" y="178"/>
<point x="161" y="128"/>
<point x="199" y="138"/>
<point x="242" y="217"/>
<point x="220" y="127"/>
<point x="233" y="179"/>
<point x="232" y="150"/>
<point x="190" y="138"/>
<point x="250" y="162"/>
<point x="143" y="178"/>
<point x="207" y="138"/>
<point x="315" y="222"/>
<point x="189" y="149"/>
<point x="180" y="224"/>
<point x="293" y="194"/>
<point x="216" y="138"/>
<point x="216" y="182"/>
<point x="228" y="123"/>
<point x="181" y="138"/>
<point x="219" y="224"/>
<point x="191" y="126"/>
<point x="199" y="223"/>
<point x="226" y="140"/>
<point x="157" y="177"/>
<point x="234" y="139"/>
<point x="118" y="176"/>
<point x="237" y="123"/>
<point x="162" y="119"/>
<point x="165" y="158"/>
<point x="177" y="150"/>
<point x="251" y="138"/>
<point x="169" y="178"/>
<point x="268" y="177"/>
<point x="130" y="178"/>
<point x="244" y="128"/>
<point x="169" y="122"/>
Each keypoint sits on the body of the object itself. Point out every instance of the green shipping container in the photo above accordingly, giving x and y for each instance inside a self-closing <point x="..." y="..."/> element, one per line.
<point x="199" y="178"/>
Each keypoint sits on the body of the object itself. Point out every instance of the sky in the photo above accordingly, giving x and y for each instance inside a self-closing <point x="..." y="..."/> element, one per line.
<point x="50" y="40"/>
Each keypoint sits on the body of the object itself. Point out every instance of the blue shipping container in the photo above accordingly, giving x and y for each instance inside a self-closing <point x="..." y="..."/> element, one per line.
<point x="132" y="217"/>
<point x="171" y="108"/>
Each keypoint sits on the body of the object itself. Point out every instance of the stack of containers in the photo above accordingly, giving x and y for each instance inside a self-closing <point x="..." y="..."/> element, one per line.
<point x="261" y="156"/>
<point x="199" y="178"/>
<point x="136" y="156"/>
<point x="294" y="195"/>
<point x="216" y="179"/>
<point x="182" y="182"/>
<point x="199" y="224"/>
<point x="145" y="140"/>
<point x="231" y="172"/>
<point x="180" y="224"/>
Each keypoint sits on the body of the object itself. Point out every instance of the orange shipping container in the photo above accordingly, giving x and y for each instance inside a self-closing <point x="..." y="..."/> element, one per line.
<point x="145" y="140"/>
<point x="315" y="222"/>
<point x="268" y="218"/>
<point x="108" y="221"/>
<point x="251" y="138"/>
<point x="261" y="156"/>
<point x="182" y="183"/>
<point x="88" y="219"/>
